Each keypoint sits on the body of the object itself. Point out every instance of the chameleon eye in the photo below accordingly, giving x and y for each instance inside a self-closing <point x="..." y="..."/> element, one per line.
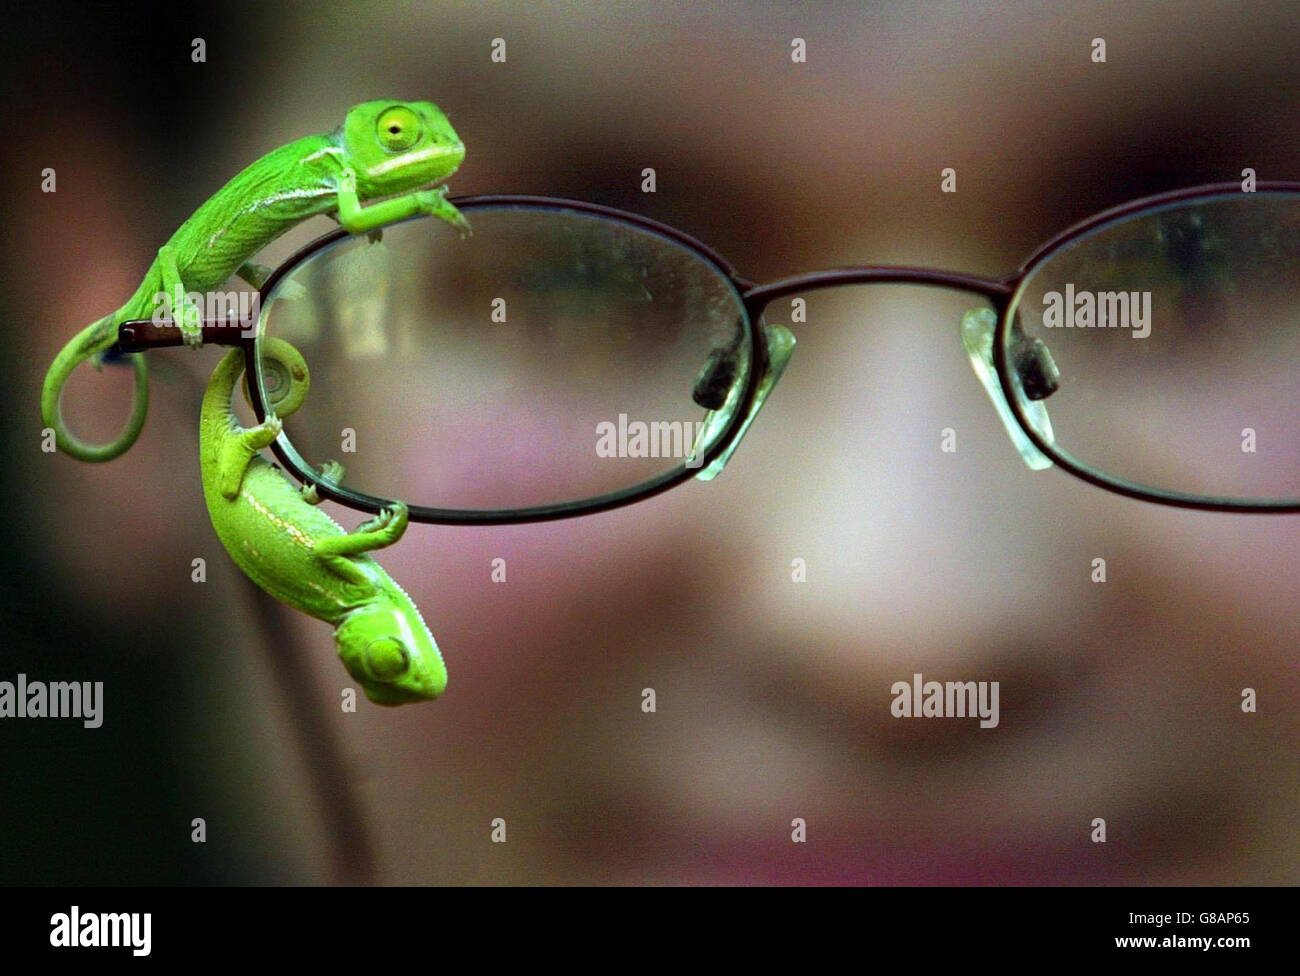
<point x="398" y="129"/>
<point x="387" y="658"/>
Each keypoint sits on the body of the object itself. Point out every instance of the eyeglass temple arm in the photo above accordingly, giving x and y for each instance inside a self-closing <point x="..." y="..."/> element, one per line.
<point x="138" y="335"/>
<point x="1035" y="371"/>
<point x="780" y="347"/>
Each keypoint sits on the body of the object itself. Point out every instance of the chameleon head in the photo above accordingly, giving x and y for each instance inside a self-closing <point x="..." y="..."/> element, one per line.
<point x="396" y="147"/>
<point x="386" y="647"/>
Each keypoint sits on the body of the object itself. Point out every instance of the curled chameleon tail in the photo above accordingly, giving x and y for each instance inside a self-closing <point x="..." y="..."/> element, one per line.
<point x="381" y="165"/>
<point x="89" y="342"/>
<point x="301" y="556"/>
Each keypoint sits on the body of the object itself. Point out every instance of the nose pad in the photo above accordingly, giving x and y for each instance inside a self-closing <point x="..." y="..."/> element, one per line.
<point x="718" y="392"/>
<point x="1035" y="370"/>
<point x="717" y="377"/>
<point x="1033" y="363"/>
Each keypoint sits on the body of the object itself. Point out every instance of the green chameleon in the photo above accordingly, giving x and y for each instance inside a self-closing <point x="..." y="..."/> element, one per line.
<point x="303" y="557"/>
<point x="396" y="150"/>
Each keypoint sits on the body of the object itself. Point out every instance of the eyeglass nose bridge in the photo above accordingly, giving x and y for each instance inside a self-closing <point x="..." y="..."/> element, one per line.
<point x="1036" y="372"/>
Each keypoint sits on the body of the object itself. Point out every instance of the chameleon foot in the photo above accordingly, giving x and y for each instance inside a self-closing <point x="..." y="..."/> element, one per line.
<point x="331" y="471"/>
<point x="386" y="527"/>
<point x="383" y="530"/>
<point x="435" y="204"/>
<point x="264" y="433"/>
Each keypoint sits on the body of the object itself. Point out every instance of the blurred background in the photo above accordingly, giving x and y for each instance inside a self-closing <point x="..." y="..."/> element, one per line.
<point x="1118" y="700"/>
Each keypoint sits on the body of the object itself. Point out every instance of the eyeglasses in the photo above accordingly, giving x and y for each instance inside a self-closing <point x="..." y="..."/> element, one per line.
<point x="567" y="358"/>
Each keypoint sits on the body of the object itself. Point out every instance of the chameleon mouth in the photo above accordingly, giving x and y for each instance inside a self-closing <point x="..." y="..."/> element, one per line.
<point x="456" y="152"/>
<point x="398" y="695"/>
<point x="433" y="184"/>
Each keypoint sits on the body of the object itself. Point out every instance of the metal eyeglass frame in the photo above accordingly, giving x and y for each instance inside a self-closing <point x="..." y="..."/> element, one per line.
<point x="140" y="335"/>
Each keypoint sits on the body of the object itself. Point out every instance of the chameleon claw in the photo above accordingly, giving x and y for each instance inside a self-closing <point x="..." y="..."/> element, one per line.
<point x="378" y="523"/>
<point x="389" y="524"/>
<point x="332" y="472"/>
<point x="435" y="204"/>
<point x="190" y="324"/>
